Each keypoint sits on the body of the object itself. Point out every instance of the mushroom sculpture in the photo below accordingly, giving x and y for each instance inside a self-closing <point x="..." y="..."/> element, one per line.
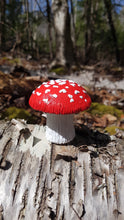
<point x="60" y="99"/>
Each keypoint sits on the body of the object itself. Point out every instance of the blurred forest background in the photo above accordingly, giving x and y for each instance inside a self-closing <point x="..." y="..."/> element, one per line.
<point x="81" y="40"/>
<point x="86" y="30"/>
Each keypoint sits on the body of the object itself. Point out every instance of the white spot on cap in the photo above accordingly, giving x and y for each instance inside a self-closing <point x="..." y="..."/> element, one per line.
<point x="45" y="100"/>
<point x="54" y="95"/>
<point x="38" y="87"/>
<point x="38" y="93"/>
<point x="85" y="100"/>
<point x="47" y="90"/>
<point x="81" y="97"/>
<point x="46" y="85"/>
<point x="71" y="100"/>
<point x="72" y="84"/>
<point x="71" y="81"/>
<point x="62" y="83"/>
<point x="62" y="91"/>
<point x="76" y="92"/>
<point x="66" y="87"/>
<point x="55" y="86"/>
<point x="33" y="92"/>
<point x="52" y="82"/>
<point x="70" y="96"/>
<point x="84" y="91"/>
<point x="58" y="80"/>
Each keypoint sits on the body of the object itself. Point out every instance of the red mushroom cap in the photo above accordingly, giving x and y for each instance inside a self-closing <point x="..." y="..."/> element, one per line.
<point x="60" y="97"/>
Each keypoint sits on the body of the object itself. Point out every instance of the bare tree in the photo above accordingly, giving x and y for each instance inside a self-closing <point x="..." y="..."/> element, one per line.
<point x="108" y="6"/>
<point x="28" y="28"/>
<point x="64" y="46"/>
<point x="73" y="22"/>
<point x="49" y="28"/>
<point x="88" y="18"/>
<point x="49" y="21"/>
<point x="2" y="24"/>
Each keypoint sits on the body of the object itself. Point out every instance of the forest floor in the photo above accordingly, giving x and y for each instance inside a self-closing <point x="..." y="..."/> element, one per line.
<point x="103" y="81"/>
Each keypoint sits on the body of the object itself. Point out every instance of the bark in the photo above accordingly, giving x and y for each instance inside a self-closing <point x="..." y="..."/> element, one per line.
<point x="88" y="32"/>
<point x="2" y="24"/>
<point x="28" y="25"/>
<point x="49" y="28"/>
<point x="64" y="46"/>
<point x="108" y="6"/>
<point x="73" y="21"/>
<point x="39" y="180"/>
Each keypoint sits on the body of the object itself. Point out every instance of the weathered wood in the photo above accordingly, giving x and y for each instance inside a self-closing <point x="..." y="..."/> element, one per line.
<point x="39" y="180"/>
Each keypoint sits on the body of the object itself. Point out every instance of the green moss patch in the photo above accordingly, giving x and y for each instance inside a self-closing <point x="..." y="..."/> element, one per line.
<point x="10" y="61"/>
<point x="101" y="109"/>
<point x="19" y="113"/>
<point x="13" y="112"/>
<point x="59" y="70"/>
<point x="112" y="129"/>
<point x="15" y="61"/>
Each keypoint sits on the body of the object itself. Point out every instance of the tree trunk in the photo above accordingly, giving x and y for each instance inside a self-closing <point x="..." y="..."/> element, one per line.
<point x="64" y="46"/>
<point x="39" y="180"/>
<point x="49" y="28"/>
<point x="28" y="26"/>
<point x="108" y="6"/>
<point x="2" y="25"/>
<point x="73" y="23"/>
<point x="88" y="35"/>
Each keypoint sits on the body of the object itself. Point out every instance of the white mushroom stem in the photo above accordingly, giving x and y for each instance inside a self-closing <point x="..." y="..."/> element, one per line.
<point x="60" y="128"/>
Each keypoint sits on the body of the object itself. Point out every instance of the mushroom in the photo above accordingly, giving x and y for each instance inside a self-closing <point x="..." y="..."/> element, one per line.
<point x="60" y="99"/>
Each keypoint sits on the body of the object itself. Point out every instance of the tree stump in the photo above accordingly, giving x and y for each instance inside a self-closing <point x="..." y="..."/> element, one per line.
<point x="39" y="180"/>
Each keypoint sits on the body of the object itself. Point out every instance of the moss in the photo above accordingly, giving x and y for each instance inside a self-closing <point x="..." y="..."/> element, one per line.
<point x="20" y="113"/>
<point x="15" y="61"/>
<point x="4" y="58"/>
<point x="59" y="70"/>
<point x="112" y="129"/>
<point x="117" y="69"/>
<point x="100" y="109"/>
<point x="11" y="61"/>
<point x="13" y="112"/>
